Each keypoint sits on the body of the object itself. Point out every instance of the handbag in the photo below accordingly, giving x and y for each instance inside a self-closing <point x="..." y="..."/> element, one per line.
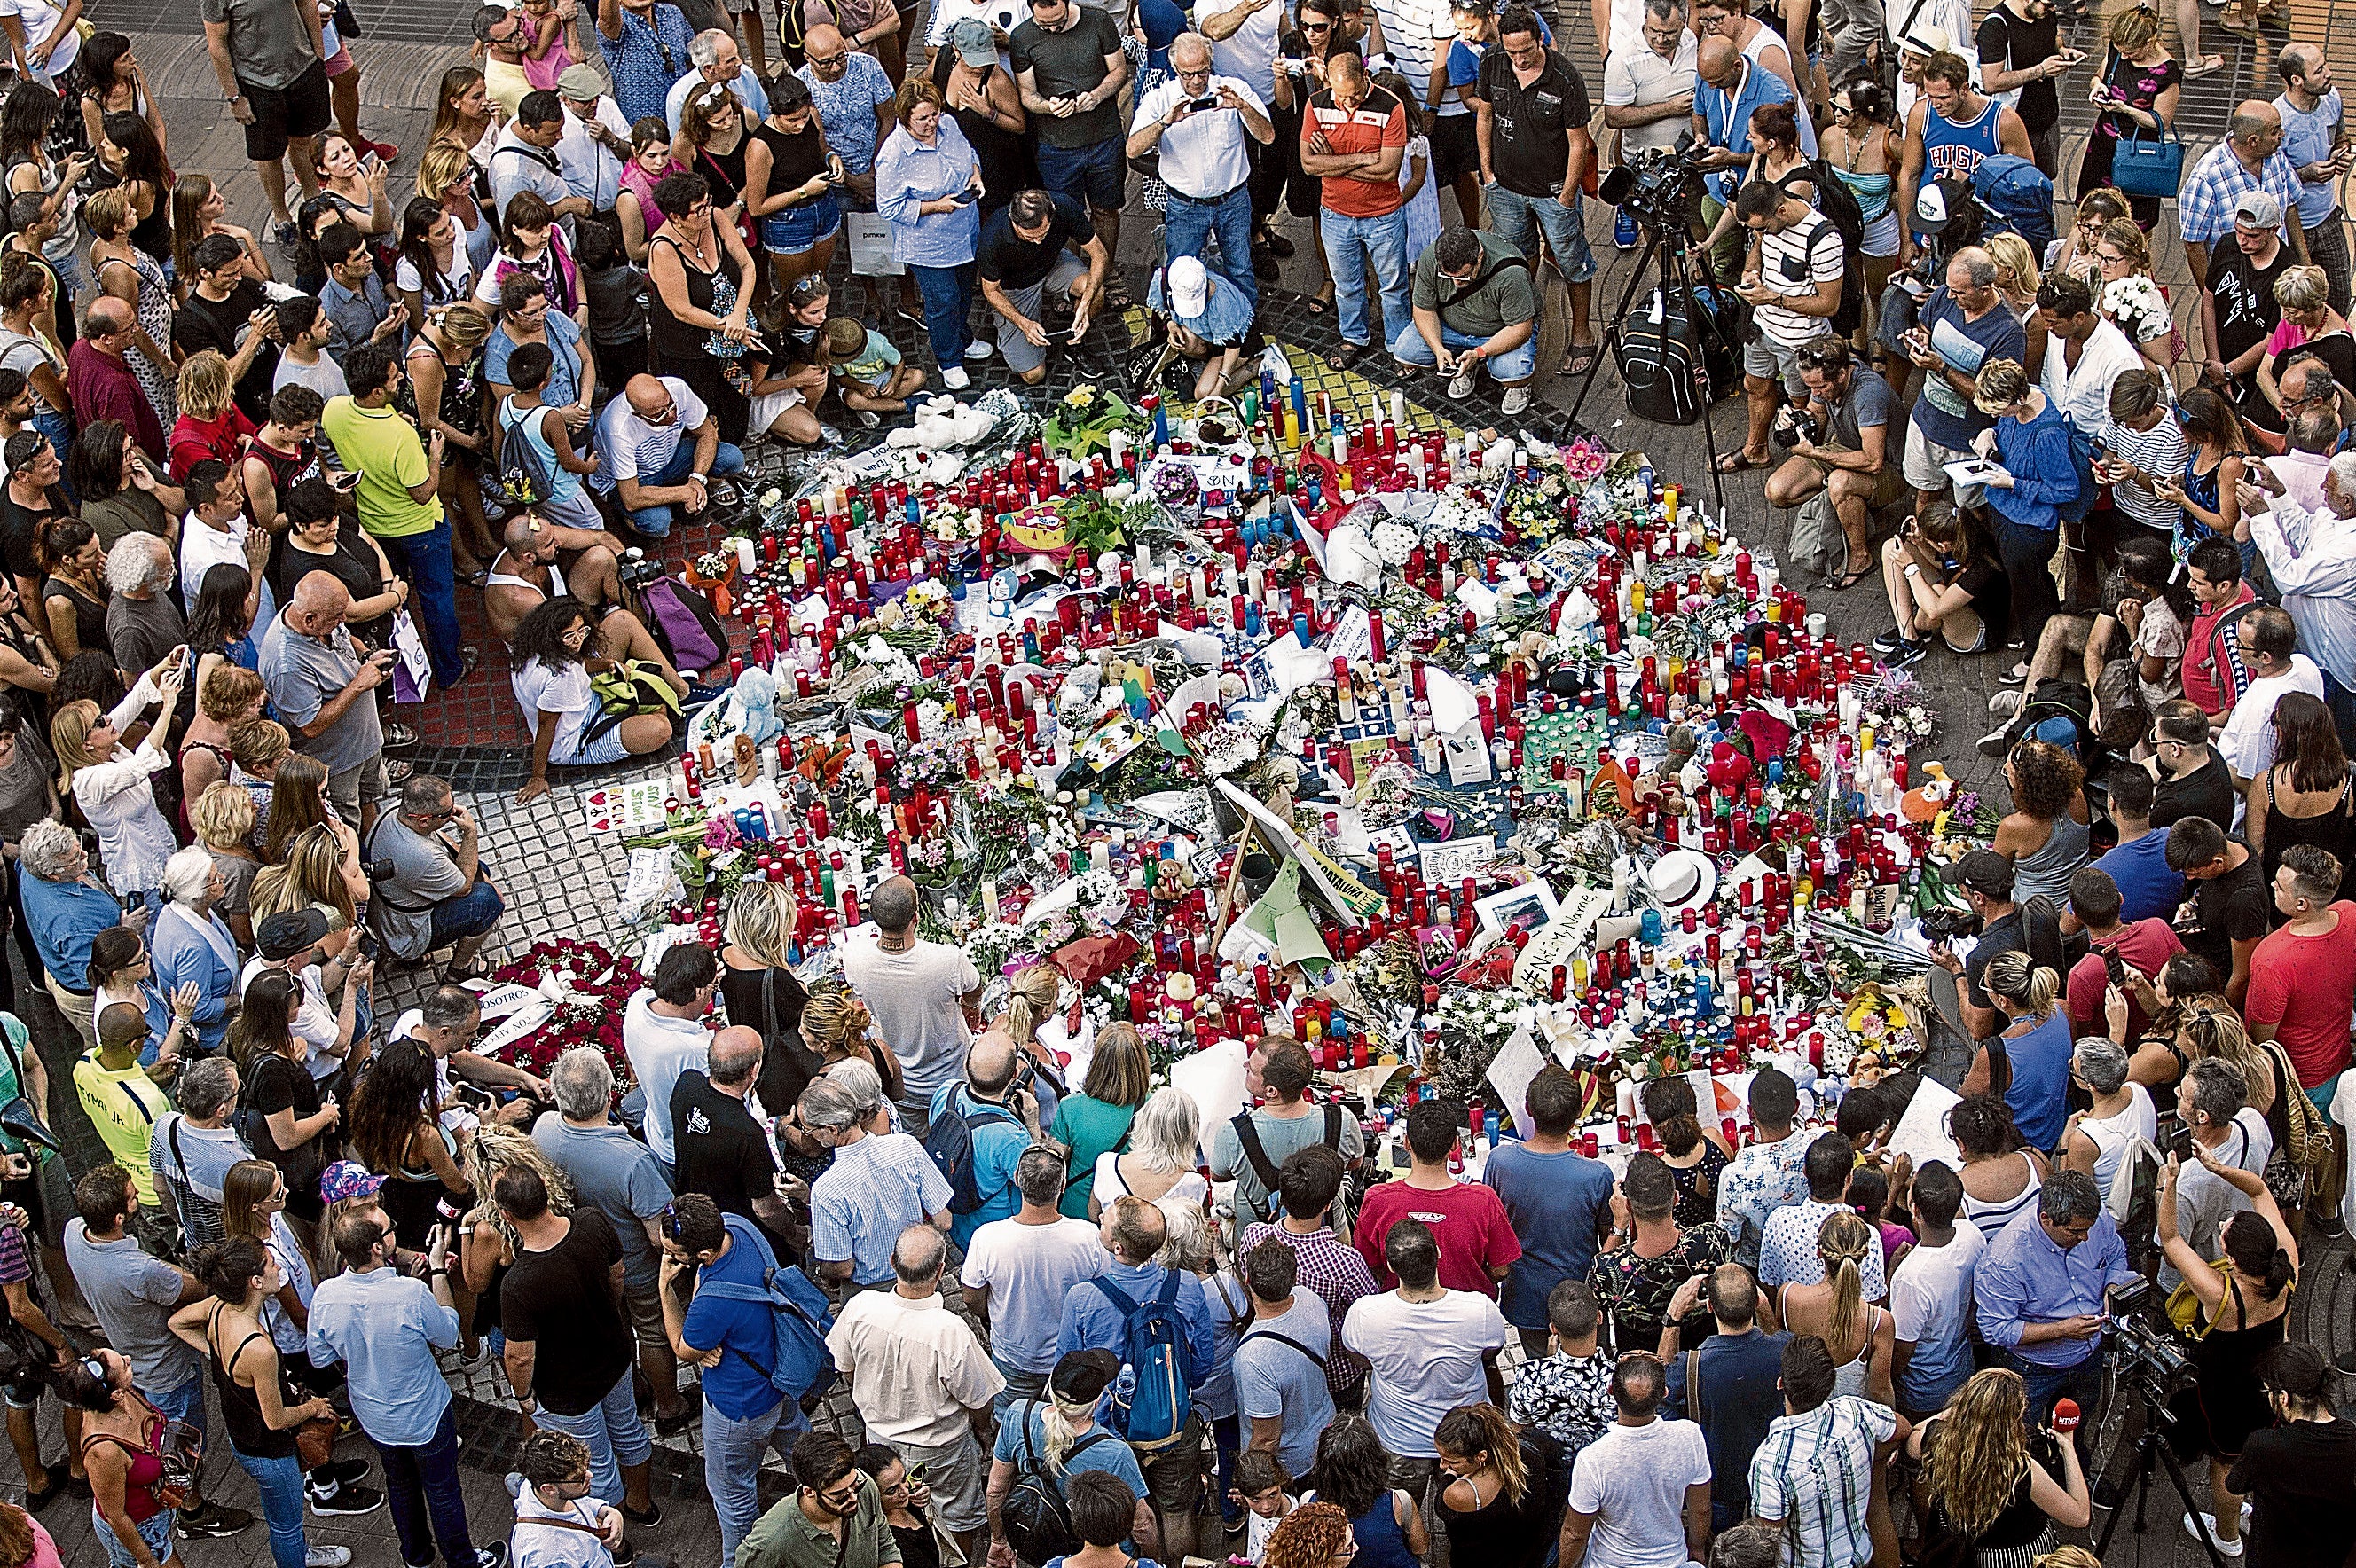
<point x="315" y="1442"/>
<point x="2149" y="167"/>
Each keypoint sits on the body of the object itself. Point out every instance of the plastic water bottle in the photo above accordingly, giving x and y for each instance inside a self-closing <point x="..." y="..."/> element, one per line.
<point x="1624" y="229"/>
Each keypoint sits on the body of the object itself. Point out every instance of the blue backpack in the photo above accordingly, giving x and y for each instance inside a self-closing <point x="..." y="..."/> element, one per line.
<point x="799" y="1319"/>
<point x="950" y="1140"/>
<point x="1154" y="1350"/>
<point x="2018" y="199"/>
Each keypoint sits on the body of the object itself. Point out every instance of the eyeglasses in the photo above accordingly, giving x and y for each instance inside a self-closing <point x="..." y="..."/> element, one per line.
<point x="821" y="62"/>
<point x="1316" y="26"/>
<point x="2110" y="259"/>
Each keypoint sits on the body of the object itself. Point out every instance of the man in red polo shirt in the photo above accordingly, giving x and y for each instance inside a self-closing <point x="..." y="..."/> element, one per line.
<point x="2214" y="672"/>
<point x="1353" y="139"/>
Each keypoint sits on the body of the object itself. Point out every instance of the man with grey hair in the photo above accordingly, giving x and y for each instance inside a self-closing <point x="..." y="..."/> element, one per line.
<point x="1946" y="420"/>
<point x="921" y="1381"/>
<point x="435" y="894"/>
<point x="1206" y="158"/>
<point x="2249" y="157"/>
<point x="1001" y="1119"/>
<point x="722" y="1150"/>
<point x="617" y="1174"/>
<point x="925" y="997"/>
<point x="65" y="908"/>
<point x="877" y="1187"/>
<point x="2312" y="554"/>
<point x="445" y="1023"/>
<point x="192" y="1148"/>
<point x="143" y="625"/>
<point x="2212" y="1101"/>
<point x="322" y="689"/>
<point x="2315" y="140"/>
<point x="1017" y="1271"/>
<point x="2042" y="1287"/>
<point x="717" y="62"/>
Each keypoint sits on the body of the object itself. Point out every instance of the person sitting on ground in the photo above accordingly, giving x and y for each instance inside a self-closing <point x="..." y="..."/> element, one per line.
<point x="1942" y="575"/>
<point x="869" y="375"/>
<point x="556" y="654"/>
<point x="1208" y="318"/>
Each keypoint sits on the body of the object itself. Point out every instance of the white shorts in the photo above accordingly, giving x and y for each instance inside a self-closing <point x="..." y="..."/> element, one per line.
<point x="1925" y="467"/>
<point x="769" y="405"/>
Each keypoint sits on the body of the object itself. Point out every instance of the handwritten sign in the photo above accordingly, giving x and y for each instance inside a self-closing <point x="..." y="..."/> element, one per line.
<point x="630" y="807"/>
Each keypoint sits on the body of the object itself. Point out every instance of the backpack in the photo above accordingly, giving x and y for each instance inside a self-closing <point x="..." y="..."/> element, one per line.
<point x="1037" y="1518"/>
<point x="1839" y="206"/>
<point x="2133" y="1202"/>
<point x="950" y="1140"/>
<point x="2017" y="197"/>
<point x="1673" y="363"/>
<point x="2081" y="459"/>
<point x="799" y="1319"/>
<point x="523" y="478"/>
<point x="684" y="623"/>
<point x="1156" y="1407"/>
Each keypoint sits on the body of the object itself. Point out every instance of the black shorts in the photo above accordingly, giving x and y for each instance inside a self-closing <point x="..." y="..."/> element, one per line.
<point x="1455" y="148"/>
<point x="279" y="113"/>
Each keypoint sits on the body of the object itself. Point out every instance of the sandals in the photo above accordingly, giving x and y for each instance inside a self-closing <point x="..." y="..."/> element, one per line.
<point x="1319" y="304"/>
<point x="1581" y="359"/>
<point x="1849" y="577"/>
<point x="1346" y="357"/>
<point x="1741" y="462"/>
<point x="2209" y="65"/>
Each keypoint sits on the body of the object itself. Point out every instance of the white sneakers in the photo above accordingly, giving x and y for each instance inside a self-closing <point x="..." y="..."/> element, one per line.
<point x="977" y="351"/>
<point x="956" y="379"/>
<point x="2227" y="1549"/>
<point x="1460" y="385"/>
<point x="1517" y="400"/>
<point x="327" y="1557"/>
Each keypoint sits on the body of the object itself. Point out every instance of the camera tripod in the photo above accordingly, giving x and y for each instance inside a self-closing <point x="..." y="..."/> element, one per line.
<point x="2151" y="1447"/>
<point x="1667" y="244"/>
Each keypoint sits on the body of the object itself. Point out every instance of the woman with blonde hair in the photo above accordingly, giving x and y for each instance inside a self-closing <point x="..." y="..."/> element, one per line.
<point x="2122" y="257"/>
<point x="2136" y="95"/>
<point x="487" y="1243"/>
<point x="446" y="391"/>
<point x="313" y="871"/>
<point x="199" y="212"/>
<point x="1032" y="997"/>
<point x="760" y="989"/>
<point x="2016" y="277"/>
<point x="2030" y="441"/>
<point x="1096" y="1121"/>
<point x="1860" y="1338"/>
<point x="1501" y="1495"/>
<point x="229" y="695"/>
<point x="452" y="180"/>
<point x="109" y="782"/>
<point x="1162" y="1157"/>
<point x="2028" y="1064"/>
<point x="210" y="423"/>
<point x="2310" y="324"/>
<point x="1981" y="1481"/>
<point x="835" y="1025"/>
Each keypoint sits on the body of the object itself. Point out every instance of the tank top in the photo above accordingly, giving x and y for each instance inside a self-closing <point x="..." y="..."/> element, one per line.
<point x="2334" y="832"/>
<point x="143" y="1472"/>
<point x="499" y="579"/>
<point x="89" y="614"/>
<point x="1004" y="156"/>
<point x="2038" y="1084"/>
<point x="563" y="484"/>
<point x="1849" y="1376"/>
<point x="671" y="338"/>
<point x="793" y="160"/>
<point x="1872" y="191"/>
<point x="1951" y="150"/>
<point x="1992" y="1215"/>
<point x="1499" y="1534"/>
<point x="1381" y="1542"/>
<point x="2045" y="870"/>
<point x="724" y="171"/>
<point x="249" y="1431"/>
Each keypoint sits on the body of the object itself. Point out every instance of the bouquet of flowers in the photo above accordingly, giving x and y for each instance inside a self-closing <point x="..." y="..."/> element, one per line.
<point x="2134" y="306"/>
<point x="1084" y="420"/>
<point x="590" y="988"/>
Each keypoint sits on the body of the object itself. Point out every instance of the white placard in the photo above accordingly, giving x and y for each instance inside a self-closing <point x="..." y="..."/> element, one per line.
<point x="500" y="1000"/>
<point x="1922" y="1132"/>
<point x="1444" y="864"/>
<point x="1213" y="1079"/>
<point x="1510" y="1071"/>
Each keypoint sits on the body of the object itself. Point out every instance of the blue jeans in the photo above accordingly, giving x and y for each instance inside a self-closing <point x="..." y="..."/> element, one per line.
<point x="1521" y="219"/>
<point x="281" y="1481"/>
<point x="422" y="1483"/>
<point x="2082" y="1383"/>
<point x="186" y="1403"/>
<point x="155" y="1531"/>
<point x="1189" y="223"/>
<point x="1513" y="365"/>
<point x="614" y="1432"/>
<point x="654" y="521"/>
<point x="1350" y="244"/>
<point x="947" y="293"/>
<point x="425" y="559"/>
<point x="471" y="913"/>
<point x="1228" y="1431"/>
<point x="732" y="1463"/>
<point x="1096" y="175"/>
<point x="2342" y="703"/>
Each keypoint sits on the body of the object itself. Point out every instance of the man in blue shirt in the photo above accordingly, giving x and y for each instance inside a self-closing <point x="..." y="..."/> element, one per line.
<point x="1556" y="1200"/>
<point x="2040" y="1288"/>
<point x="993" y="1109"/>
<point x="385" y="1326"/>
<point x="1742" y="1368"/>
<point x="65" y="908"/>
<point x="1731" y="86"/>
<point x="743" y="1413"/>
<point x="1961" y="328"/>
<point x="2149" y="887"/>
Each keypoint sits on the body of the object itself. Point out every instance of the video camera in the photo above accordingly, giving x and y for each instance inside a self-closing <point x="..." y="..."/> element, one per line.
<point x="1943" y="924"/>
<point x="1661" y="187"/>
<point x="2145" y="1344"/>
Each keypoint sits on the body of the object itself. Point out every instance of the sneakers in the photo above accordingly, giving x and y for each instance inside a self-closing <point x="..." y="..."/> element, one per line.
<point x="870" y="420"/>
<point x="2208" y="1525"/>
<point x="956" y="379"/>
<point x="2018" y="675"/>
<point x="1891" y="642"/>
<point x="977" y="351"/>
<point x="1625" y="233"/>
<point x="1461" y="384"/>
<point x="1517" y="400"/>
<point x="211" y="1521"/>
<point x="327" y="1557"/>
<point x="1992" y="744"/>
<point x="1909" y="655"/>
<point x="495" y="1555"/>
<point x="346" y="1501"/>
<point x="286" y="236"/>
<point x="2005" y="704"/>
<point x="648" y="1519"/>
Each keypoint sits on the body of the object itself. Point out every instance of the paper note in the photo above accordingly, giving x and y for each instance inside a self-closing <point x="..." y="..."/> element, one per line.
<point x="1451" y="862"/>
<point x="1516" y="1062"/>
<point x="1214" y="1078"/>
<point x="1922" y="1132"/>
<point x="631" y="807"/>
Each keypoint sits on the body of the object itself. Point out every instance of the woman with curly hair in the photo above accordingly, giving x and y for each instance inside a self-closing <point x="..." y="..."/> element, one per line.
<point x="1981" y="1481"/>
<point x="835" y="1025"/>
<point x="230" y="696"/>
<point x="2026" y="1065"/>
<point x="487" y="1243"/>
<point x="1860" y="1338"/>
<point x="1504" y="1505"/>
<point x="1096" y="1122"/>
<point x="2304" y="798"/>
<point x="1694" y="1151"/>
<point x="2045" y="832"/>
<point x="1353" y="1474"/>
<point x="2001" y="1180"/>
<point x="554" y="652"/>
<point x="395" y="1129"/>
<point x="1314" y="1535"/>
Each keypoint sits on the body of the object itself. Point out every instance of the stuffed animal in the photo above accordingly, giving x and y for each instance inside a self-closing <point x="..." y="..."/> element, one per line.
<point x="752" y="706"/>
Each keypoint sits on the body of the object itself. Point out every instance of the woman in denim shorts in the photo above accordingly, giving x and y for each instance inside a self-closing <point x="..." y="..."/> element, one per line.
<point x="790" y="178"/>
<point x="123" y="1443"/>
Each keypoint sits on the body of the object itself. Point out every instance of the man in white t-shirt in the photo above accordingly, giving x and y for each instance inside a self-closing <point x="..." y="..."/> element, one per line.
<point x="645" y="460"/>
<point x="925" y="997"/>
<point x="1648" y="92"/>
<point x="1930" y="1296"/>
<point x="2213" y="1100"/>
<point x="665" y="1032"/>
<point x="2269" y="642"/>
<point x="1640" y="1493"/>
<point x="1429" y="1349"/>
<point x="1018" y="1270"/>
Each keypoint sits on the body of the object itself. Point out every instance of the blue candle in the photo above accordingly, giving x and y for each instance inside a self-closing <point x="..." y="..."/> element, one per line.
<point x="1161" y="425"/>
<point x="1300" y="402"/>
<point x="1301" y="628"/>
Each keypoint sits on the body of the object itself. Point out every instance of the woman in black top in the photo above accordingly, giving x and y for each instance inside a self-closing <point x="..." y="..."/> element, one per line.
<point x="1981" y="1480"/>
<point x="790" y="178"/>
<point x="698" y="316"/>
<point x="73" y="588"/>
<point x="981" y="96"/>
<point x="1941" y="576"/>
<point x="2300" y="1473"/>
<point x="1502" y="1503"/>
<point x="1694" y="1151"/>
<point x="317" y="540"/>
<point x="904" y="1501"/>
<point x="281" y="1092"/>
<point x="713" y="125"/>
<point x="2305" y="798"/>
<point x="762" y="994"/>
<point x="129" y="156"/>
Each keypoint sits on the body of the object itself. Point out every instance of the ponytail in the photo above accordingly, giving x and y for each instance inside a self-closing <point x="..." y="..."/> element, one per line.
<point x="1843" y="1242"/>
<point x="1471" y="1429"/>
<point x="2012" y="975"/>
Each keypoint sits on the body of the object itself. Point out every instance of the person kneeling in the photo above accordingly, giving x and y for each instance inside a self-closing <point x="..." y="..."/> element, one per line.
<point x="555" y="655"/>
<point x="1209" y="319"/>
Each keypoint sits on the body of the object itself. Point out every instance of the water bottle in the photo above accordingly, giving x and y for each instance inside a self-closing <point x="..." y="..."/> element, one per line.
<point x="1624" y="229"/>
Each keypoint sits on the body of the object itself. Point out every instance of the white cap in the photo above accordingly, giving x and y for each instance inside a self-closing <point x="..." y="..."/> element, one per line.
<point x="1927" y="39"/>
<point x="1189" y="287"/>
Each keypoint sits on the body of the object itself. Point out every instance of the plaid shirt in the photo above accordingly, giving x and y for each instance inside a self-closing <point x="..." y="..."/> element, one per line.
<point x="1339" y="1277"/>
<point x="1763" y="1178"/>
<point x="1815" y="1471"/>
<point x="2204" y="212"/>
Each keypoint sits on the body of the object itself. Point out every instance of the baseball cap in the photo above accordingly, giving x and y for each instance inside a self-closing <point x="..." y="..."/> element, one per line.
<point x="845" y="336"/>
<point x="1984" y="872"/>
<point x="1189" y="286"/>
<point x="344" y="1179"/>
<point x="2259" y="210"/>
<point x="1083" y="1375"/>
<point x="1938" y="204"/>
<point x="284" y="935"/>
<point x="970" y="38"/>
<point x="580" y="84"/>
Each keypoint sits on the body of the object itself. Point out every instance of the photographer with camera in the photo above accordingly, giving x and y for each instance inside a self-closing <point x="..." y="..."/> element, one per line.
<point x="2243" y="1302"/>
<point x="2040" y="1289"/>
<point x="1792" y="278"/>
<point x="1839" y="481"/>
<point x="1984" y="878"/>
<point x="1474" y="304"/>
<point x="427" y="891"/>
<point x="1732" y="85"/>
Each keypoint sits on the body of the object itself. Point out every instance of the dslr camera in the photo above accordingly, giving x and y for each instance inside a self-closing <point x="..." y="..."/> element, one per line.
<point x="636" y="570"/>
<point x="1793" y="424"/>
<point x="1945" y="924"/>
<point x="2145" y="1345"/>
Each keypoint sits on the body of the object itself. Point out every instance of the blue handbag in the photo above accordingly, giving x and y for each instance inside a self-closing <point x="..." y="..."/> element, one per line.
<point x="2152" y="167"/>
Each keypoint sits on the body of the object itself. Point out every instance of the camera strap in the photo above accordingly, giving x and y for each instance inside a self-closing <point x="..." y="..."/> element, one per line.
<point x="1481" y="279"/>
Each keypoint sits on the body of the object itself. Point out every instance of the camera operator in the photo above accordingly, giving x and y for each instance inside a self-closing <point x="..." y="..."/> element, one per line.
<point x="1984" y="878"/>
<point x="1846" y="476"/>
<point x="428" y="893"/>
<point x="1731" y="86"/>
<point x="2040" y="1289"/>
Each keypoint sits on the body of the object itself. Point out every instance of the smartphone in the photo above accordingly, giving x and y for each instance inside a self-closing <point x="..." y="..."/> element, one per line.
<point x="967" y="196"/>
<point x="1199" y="104"/>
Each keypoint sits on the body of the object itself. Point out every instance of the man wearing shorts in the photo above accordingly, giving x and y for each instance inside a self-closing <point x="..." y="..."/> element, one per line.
<point x="1068" y="67"/>
<point x="269" y="55"/>
<point x="1969" y="320"/>
<point x="1792" y="278"/>
<point x="1025" y="260"/>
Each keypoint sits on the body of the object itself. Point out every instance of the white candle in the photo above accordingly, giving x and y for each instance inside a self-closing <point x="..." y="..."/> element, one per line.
<point x="744" y="554"/>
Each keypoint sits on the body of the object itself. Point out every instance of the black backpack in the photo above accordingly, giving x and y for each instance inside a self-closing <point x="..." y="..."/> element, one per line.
<point x="1038" y="1521"/>
<point x="1673" y="363"/>
<point x="1256" y="1152"/>
<point x="950" y="1140"/>
<point x="1838" y="204"/>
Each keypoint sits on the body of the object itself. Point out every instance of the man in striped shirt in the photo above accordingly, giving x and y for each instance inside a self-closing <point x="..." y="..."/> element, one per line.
<point x="1814" y="1472"/>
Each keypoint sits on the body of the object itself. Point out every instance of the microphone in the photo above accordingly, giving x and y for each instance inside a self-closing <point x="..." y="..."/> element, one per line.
<point x="2065" y="1415"/>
